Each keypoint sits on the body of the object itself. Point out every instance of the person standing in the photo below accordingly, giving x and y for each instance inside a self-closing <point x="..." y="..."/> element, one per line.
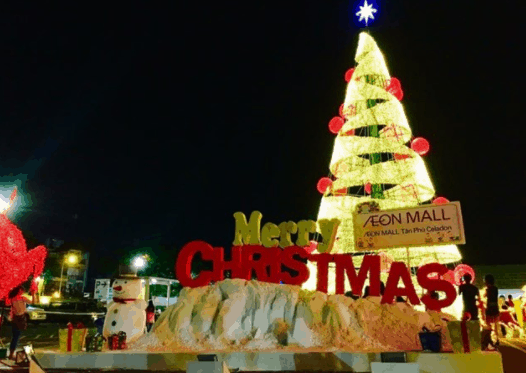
<point x="492" y="306"/>
<point x="18" y="317"/>
<point x="510" y="302"/>
<point x="150" y="316"/>
<point x="469" y="293"/>
<point x="506" y="319"/>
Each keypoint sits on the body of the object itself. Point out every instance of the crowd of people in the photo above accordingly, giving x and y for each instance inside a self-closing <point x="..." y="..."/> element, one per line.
<point x="500" y="316"/>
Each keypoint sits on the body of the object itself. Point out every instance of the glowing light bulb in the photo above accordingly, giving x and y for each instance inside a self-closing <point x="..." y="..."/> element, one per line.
<point x="139" y="262"/>
<point x="72" y="259"/>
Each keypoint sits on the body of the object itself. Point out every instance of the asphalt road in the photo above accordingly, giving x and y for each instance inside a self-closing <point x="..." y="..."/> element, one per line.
<point x="40" y="335"/>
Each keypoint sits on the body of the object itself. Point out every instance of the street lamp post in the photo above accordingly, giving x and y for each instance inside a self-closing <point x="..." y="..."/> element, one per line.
<point x="71" y="259"/>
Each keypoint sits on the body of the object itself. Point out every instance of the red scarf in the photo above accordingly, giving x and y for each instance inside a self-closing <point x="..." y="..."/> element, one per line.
<point x="121" y="300"/>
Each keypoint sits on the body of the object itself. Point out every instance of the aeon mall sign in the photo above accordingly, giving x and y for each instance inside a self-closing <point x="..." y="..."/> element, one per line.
<point x="426" y="225"/>
<point x="274" y="248"/>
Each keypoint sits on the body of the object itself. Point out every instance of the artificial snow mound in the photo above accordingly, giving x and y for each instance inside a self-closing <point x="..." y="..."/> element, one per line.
<point x="252" y="315"/>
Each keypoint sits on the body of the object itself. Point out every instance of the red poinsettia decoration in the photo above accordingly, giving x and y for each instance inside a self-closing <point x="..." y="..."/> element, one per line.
<point x="17" y="262"/>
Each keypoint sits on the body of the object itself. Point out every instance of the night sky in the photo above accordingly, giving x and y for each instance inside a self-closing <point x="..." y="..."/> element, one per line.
<point x="164" y="120"/>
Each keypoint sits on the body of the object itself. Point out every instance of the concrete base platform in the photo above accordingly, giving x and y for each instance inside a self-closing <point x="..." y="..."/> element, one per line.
<point x="269" y="361"/>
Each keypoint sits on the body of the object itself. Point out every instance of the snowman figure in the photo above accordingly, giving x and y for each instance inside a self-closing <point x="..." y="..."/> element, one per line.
<point x="127" y="313"/>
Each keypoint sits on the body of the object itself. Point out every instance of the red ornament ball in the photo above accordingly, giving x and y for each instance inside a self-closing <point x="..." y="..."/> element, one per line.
<point x="348" y="75"/>
<point x="440" y="201"/>
<point x="449" y="276"/>
<point x="394" y="84"/>
<point x="368" y="188"/>
<point x="336" y="124"/>
<point x="312" y="247"/>
<point x="395" y="88"/>
<point x="460" y="271"/>
<point x="420" y="145"/>
<point x="323" y="184"/>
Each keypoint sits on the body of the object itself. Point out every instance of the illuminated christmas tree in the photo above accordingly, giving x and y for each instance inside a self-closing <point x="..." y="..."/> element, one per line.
<point x="372" y="162"/>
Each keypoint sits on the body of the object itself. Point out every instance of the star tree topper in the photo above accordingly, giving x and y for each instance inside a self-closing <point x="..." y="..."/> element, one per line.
<point x="366" y="11"/>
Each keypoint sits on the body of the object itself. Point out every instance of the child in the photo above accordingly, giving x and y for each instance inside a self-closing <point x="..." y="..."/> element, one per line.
<point x="510" y="303"/>
<point x="506" y="318"/>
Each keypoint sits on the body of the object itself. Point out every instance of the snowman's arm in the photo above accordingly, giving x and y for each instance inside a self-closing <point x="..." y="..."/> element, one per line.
<point x="109" y="308"/>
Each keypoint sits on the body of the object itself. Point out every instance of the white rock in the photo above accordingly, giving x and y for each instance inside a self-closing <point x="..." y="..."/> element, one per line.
<point x="252" y="315"/>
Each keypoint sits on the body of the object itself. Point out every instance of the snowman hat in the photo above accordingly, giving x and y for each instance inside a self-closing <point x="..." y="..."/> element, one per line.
<point x="127" y="272"/>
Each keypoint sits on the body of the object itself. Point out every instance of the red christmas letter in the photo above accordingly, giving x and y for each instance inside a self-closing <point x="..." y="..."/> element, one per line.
<point x="183" y="265"/>
<point x="273" y="264"/>
<point x="436" y="285"/>
<point x="323" y="261"/>
<point x="399" y="271"/>
<point x="234" y="265"/>
<point x="260" y="265"/>
<point x="371" y="264"/>
<point x="287" y="258"/>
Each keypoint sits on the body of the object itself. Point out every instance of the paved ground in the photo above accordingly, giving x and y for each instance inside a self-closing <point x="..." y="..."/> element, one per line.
<point x="513" y="355"/>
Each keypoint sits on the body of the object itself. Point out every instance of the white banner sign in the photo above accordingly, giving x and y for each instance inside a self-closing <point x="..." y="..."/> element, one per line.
<point x="427" y="225"/>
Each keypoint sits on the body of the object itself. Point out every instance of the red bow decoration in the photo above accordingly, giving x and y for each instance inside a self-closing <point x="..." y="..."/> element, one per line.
<point x="70" y="336"/>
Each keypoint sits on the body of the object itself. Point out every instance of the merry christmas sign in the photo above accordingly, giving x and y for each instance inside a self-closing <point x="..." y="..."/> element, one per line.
<point x="265" y="251"/>
<point x="427" y="225"/>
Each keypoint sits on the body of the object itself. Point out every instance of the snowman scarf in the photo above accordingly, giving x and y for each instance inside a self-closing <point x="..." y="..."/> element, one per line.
<point x="121" y="300"/>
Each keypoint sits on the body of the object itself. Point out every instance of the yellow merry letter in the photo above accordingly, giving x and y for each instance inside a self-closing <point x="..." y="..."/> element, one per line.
<point x="247" y="234"/>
